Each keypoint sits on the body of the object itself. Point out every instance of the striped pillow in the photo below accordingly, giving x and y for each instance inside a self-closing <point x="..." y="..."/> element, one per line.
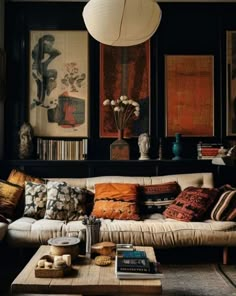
<point x="155" y="198"/>
<point x="225" y="208"/>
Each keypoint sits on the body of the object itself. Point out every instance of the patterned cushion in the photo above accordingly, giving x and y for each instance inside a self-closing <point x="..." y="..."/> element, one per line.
<point x="9" y="197"/>
<point x="116" y="201"/>
<point x="191" y="204"/>
<point x="18" y="177"/>
<point x="225" y="208"/>
<point x="35" y="200"/>
<point x="155" y="198"/>
<point x="64" y="202"/>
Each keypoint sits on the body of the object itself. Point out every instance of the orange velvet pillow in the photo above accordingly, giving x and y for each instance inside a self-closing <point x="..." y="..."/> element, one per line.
<point x="9" y="197"/>
<point x="116" y="201"/>
<point x="18" y="177"/>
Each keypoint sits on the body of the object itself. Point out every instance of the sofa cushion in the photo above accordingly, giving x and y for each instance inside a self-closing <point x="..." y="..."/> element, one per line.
<point x="159" y="233"/>
<point x="225" y="208"/>
<point x="28" y="231"/>
<point x="9" y="197"/>
<point x="116" y="201"/>
<point x="168" y="233"/>
<point x="204" y="180"/>
<point x="64" y="202"/>
<point x="35" y="200"/>
<point x="155" y="198"/>
<point x="191" y="204"/>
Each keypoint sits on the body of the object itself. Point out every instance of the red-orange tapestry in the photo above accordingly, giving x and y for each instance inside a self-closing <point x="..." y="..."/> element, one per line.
<point x="189" y="95"/>
<point x="125" y="71"/>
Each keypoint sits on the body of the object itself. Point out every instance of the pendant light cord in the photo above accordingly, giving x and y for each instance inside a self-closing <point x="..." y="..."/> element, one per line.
<point x="122" y="17"/>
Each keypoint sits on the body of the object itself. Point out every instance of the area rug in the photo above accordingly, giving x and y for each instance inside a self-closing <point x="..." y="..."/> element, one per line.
<point x="199" y="280"/>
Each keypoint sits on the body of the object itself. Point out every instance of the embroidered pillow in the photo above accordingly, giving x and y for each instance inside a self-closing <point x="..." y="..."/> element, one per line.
<point x="35" y="200"/>
<point x="191" y="204"/>
<point x="225" y="208"/>
<point x="116" y="201"/>
<point x="10" y="195"/>
<point x="155" y="198"/>
<point x="18" y="177"/>
<point x="64" y="202"/>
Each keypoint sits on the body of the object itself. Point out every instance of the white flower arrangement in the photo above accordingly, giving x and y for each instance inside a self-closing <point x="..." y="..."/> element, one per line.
<point x="123" y="109"/>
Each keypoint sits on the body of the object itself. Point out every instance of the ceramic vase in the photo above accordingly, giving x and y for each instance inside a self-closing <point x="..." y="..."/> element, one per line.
<point x="177" y="147"/>
<point x="119" y="149"/>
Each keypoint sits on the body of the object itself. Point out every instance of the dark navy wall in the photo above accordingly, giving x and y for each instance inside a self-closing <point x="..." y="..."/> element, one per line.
<point x="186" y="28"/>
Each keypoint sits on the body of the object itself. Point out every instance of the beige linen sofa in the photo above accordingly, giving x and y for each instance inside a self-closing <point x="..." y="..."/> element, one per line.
<point x="156" y="230"/>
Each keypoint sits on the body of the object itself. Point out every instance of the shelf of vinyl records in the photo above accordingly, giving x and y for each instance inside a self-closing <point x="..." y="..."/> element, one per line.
<point x="57" y="149"/>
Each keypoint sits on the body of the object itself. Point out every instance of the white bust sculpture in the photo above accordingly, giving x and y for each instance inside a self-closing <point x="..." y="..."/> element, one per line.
<point x="144" y="145"/>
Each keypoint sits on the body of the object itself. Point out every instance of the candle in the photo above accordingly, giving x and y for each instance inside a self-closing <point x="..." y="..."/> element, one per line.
<point x="56" y="258"/>
<point x="41" y="263"/>
<point x="67" y="259"/>
<point x="48" y="265"/>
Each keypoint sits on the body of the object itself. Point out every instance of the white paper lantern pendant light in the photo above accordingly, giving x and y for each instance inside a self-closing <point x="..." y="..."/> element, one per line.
<point x="122" y="22"/>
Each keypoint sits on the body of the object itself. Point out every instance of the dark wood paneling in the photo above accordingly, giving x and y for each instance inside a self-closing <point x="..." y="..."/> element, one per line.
<point x="90" y="168"/>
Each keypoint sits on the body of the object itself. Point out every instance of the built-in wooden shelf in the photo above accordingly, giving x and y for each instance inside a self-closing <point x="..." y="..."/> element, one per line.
<point x="91" y="168"/>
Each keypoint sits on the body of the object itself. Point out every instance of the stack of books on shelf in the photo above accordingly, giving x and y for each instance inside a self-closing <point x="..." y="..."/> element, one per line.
<point x="208" y="150"/>
<point x="134" y="264"/>
<point x="57" y="149"/>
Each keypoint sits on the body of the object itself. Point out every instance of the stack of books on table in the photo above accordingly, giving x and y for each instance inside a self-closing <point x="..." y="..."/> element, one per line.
<point x="134" y="264"/>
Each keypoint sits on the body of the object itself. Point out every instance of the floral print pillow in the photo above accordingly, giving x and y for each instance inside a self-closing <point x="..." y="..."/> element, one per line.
<point x="64" y="202"/>
<point x="35" y="200"/>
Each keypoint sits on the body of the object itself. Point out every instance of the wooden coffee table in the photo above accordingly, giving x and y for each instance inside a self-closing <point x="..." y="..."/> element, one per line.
<point x="86" y="279"/>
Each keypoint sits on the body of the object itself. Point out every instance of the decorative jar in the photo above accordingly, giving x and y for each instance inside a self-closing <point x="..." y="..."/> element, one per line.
<point x="177" y="147"/>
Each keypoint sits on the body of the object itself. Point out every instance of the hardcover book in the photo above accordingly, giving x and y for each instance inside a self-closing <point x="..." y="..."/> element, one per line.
<point x="133" y="264"/>
<point x="131" y="254"/>
<point x="140" y="275"/>
<point x="153" y="272"/>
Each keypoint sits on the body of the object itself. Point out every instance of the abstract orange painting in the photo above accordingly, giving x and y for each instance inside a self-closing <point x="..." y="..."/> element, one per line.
<point x="125" y="71"/>
<point x="189" y="95"/>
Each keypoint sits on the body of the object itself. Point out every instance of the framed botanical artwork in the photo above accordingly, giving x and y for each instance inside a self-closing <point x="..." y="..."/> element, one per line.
<point x="125" y="71"/>
<point x="58" y="83"/>
<point x="231" y="83"/>
<point x="189" y="95"/>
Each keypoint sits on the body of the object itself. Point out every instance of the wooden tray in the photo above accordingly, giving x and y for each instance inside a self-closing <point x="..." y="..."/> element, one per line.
<point x="52" y="272"/>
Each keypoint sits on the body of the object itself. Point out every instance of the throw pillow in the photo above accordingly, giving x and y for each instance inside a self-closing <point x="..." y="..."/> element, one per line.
<point x="191" y="204"/>
<point x="35" y="200"/>
<point x="18" y="177"/>
<point x="225" y="208"/>
<point x="116" y="201"/>
<point x="64" y="202"/>
<point x="9" y="197"/>
<point x="155" y="198"/>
